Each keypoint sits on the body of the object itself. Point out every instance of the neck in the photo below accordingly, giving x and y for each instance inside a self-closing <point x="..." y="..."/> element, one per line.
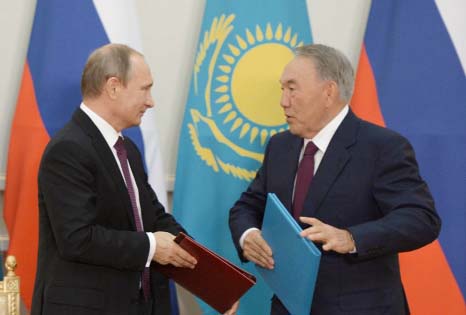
<point x="332" y="112"/>
<point x="102" y="107"/>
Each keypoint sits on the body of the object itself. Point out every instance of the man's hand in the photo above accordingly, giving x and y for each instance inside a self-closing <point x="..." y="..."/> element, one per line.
<point x="256" y="249"/>
<point x="233" y="309"/>
<point x="168" y="252"/>
<point x="331" y="237"/>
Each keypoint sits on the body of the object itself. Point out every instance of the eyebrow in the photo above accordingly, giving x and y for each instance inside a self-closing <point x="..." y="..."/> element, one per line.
<point x="290" y="81"/>
<point x="148" y="86"/>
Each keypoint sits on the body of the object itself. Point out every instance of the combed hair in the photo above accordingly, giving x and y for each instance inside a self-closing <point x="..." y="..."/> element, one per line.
<point x="112" y="60"/>
<point x="331" y="64"/>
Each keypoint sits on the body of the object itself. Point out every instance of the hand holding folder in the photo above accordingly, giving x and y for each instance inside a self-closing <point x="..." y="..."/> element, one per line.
<point x="296" y="259"/>
<point x="214" y="279"/>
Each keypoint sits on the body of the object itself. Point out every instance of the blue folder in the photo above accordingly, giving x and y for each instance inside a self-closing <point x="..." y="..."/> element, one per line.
<point x="296" y="259"/>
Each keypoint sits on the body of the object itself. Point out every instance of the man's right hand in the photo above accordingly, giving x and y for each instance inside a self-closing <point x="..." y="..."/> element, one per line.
<point x="168" y="252"/>
<point x="256" y="249"/>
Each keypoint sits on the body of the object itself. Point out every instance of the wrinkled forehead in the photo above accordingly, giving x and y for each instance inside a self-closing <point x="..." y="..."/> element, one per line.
<point x="298" y="67"/>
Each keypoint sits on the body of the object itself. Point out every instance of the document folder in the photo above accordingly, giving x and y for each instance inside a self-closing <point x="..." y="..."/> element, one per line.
<point x="215" y="280"/>
<point x="296" y="259"/>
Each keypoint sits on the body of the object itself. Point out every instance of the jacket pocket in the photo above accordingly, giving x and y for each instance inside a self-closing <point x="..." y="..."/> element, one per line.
<point x="372" y="299"/>
<point x="84" y="297"/>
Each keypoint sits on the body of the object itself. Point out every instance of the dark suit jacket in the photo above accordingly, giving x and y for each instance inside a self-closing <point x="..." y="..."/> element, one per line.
<point x="90" y="255"/>
<point x="368" y="182"/>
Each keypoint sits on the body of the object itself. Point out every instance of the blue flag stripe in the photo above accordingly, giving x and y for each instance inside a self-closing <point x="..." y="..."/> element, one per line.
<point x="62" y="37"/>
<point x="422" y="92"/>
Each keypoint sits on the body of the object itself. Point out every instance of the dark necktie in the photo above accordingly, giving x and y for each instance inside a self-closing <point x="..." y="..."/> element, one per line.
<point x="303" y="178"/>
<point x="123" y="157"/>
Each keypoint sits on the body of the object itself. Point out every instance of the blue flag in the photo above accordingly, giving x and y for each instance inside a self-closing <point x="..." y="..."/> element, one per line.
<point x="232" y="110"/>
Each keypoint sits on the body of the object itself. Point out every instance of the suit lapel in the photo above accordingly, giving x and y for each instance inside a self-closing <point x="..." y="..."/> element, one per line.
<point x="137" y="169"/>
<point x="105" y="153"/>
<point x="288" y="166"/>
<point x="334" y="161"/>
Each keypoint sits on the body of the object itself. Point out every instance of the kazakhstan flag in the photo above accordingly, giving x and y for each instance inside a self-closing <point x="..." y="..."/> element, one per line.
<point x="232" y="110"/>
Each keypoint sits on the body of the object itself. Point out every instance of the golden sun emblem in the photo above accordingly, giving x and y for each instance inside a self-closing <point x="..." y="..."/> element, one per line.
<point x="241" y="94"/>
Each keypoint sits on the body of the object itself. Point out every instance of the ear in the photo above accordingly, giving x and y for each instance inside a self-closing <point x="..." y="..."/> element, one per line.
<point x="112" y="87"/>
<point x="332" y="93"/>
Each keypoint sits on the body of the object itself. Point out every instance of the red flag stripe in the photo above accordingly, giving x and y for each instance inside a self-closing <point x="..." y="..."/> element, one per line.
<point x="365" y="102"/>
<point x="429" y="282"/>
<point x="21" y="207"/>
<point x="430" y="286"/>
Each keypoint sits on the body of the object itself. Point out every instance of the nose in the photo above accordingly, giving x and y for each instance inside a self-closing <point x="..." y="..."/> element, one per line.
<point x="285" y="99"/>
<point x="150" y="101"/>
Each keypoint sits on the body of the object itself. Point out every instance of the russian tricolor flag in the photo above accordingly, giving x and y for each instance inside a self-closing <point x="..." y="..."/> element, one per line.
<point x="64" y="33"/>
<point x="411" y="78"/>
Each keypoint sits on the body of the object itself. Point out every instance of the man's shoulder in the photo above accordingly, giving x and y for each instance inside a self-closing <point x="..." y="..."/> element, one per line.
<point x="70" y="138"/>
<point x="68" y="133"/>
<point x="376" y="133"/>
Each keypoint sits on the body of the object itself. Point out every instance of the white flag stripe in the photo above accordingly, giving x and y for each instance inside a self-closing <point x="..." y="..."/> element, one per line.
<point x="453" y="15"/>
<point x="153" y="156"/>
<point x="120" y="21"/>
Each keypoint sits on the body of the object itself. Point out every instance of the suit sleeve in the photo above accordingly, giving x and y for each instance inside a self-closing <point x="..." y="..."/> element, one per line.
<point x="67" y="183"/>
<point x="248" y="211"/>
<point x="409" y="219"/>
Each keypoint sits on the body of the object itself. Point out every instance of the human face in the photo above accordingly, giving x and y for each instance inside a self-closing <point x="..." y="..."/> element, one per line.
<point x="304" y="98"/>
<point x="134" y="98"/>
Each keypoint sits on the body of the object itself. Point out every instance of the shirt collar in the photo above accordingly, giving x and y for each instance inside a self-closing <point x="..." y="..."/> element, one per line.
<point x="323" y="137"/>
<point x="108" y="132"/>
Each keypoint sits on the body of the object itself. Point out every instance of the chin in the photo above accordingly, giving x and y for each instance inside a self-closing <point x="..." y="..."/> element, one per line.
<point x="134" y="124"/>
<point x="294" y="131"/>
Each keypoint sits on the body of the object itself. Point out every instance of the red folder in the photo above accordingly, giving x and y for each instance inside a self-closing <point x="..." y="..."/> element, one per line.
<point x="215" y="280"/>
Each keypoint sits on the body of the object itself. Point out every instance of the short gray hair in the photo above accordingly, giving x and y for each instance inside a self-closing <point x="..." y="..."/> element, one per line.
<point x="331" y="64"/>
<point x="112" y="60"/>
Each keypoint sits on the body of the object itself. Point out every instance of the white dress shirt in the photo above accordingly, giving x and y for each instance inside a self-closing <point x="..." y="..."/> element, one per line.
<point x="321" y="140"/>
<point x="111" y="136"/>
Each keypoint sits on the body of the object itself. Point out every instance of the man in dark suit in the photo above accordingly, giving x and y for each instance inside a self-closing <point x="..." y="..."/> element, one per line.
<point x="354" y="187"/>
<point x="101" y="225"/>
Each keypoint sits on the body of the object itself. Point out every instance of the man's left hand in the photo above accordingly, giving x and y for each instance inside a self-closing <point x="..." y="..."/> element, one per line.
<point x="331" y="237"/>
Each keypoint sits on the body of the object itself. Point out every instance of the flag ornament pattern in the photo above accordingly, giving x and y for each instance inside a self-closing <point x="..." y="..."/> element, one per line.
<point x="232" y="79"/>
<point x="233" y="108"/>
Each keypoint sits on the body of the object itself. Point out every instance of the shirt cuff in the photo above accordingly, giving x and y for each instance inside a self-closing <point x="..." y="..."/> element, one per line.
<point x="354" y="250"/>
<point x="241" y="239"/>
<point x="152" y="245"/>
